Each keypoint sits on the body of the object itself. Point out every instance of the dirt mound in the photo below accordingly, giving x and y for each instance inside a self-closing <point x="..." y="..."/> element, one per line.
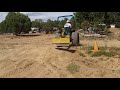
<point x="115" y="33"/>
<point x="114" y="30"/>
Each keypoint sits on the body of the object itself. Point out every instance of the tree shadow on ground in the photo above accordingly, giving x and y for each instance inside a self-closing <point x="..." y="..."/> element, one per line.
<point x="72" y="51"/>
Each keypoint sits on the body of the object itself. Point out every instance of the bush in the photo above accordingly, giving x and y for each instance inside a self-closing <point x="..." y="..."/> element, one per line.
<point x="85" y="24"/>
<point x="16" y="23"/>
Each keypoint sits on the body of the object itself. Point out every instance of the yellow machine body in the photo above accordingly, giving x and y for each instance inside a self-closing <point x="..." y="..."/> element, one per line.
<point x="60" y="40"/>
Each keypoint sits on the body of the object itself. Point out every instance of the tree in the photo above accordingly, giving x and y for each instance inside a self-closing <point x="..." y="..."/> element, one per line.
<point x="62" y="22"/>
<point x="16" y="23"/>
<point x="39" y="20"/>
<point x="3" y="27"/>
<point x="38" y="23"/>
<point x="35" y="24"/>
<point x="92" y="17"/>
<point x="73" y="22"/>
<point x="85" y="24"/>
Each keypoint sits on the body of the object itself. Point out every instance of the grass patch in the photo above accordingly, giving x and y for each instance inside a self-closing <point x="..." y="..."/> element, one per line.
<point x="81" y="49"/>
<point x="89" y="51"/>
<point x="90" y="47"/>
<point x="103" y="48"/>
<point x="73" y="68"/>
<point x="105" y="51"/>
<point x="81" y="54"/>
<point x="100" y="53"/>
<point x="115" y="48"/>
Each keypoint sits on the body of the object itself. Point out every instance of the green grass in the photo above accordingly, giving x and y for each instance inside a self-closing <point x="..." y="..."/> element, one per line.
<point x="89" y="51"/>
<point x="81" y="54"/>
<point x="103" y="48"/>
<point x="81" y="49"/>
<point x="105" y="51"/>
<point x="115" y="48"/>
<point x="73" y="68"/>
<point x="90" y="47"/>
<point x="102" y="52"/>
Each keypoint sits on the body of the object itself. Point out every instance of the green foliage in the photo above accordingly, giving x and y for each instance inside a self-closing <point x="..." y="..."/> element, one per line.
<point x="98" y="17"/>
<point x="85" y="24"/>
<point x="44" y="25"/>
<point x="62" y="22"/>
<point x="15" y="23"/>
<point x="102" y="51"/>
<point x="73" y="22"/>
<point x="35" y="24"/>
<point x="3" y="27"/>
<point x="73" y="68"/>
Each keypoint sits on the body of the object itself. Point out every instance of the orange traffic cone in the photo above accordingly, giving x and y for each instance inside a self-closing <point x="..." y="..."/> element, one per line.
<point x="95" y="47"/>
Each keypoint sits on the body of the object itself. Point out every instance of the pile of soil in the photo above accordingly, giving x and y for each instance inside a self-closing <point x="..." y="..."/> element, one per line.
<point x="114" y="33"/>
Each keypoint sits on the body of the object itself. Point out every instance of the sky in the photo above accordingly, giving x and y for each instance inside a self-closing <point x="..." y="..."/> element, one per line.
<point x="39" y="15"/>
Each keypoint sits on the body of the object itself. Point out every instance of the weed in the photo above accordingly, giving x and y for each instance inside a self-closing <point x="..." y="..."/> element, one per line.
<point x="81" y="54"/>
<point x="73" y="68"/>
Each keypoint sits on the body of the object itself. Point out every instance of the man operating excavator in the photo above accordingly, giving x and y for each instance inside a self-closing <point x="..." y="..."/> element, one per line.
<point x="67" y="28"/>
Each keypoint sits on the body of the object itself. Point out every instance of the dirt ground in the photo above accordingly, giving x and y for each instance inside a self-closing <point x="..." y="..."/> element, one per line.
<point x="37" y="57"/>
